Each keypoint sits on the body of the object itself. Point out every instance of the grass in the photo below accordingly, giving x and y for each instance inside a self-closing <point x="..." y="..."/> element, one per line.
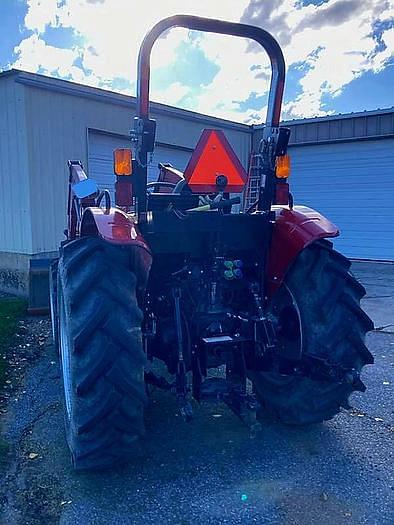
<point x="11" y="309"/>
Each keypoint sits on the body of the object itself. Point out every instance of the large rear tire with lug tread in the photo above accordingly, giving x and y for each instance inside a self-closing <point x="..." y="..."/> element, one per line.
<point x="332" y="327"/>
<point x="101" y="353"/>
<point x="53" y="302"/>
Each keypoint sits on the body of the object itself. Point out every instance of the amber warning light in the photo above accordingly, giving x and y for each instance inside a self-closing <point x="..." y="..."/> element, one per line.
<point x="283" y="167"/>
<point x="123" y="164"/>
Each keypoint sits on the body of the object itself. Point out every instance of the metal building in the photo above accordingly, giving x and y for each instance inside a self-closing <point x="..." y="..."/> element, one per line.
<point x="341" y="165"/>
<point x="46" y="121"/>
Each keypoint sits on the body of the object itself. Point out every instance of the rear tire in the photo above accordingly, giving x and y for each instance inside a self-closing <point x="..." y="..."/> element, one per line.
<point x="102" y="357"/>
<point x="53" y="302"/>
<point x="333" y="327"/>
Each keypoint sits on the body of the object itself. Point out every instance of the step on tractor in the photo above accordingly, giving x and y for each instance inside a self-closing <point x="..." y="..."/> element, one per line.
<point x="240" y="299"/>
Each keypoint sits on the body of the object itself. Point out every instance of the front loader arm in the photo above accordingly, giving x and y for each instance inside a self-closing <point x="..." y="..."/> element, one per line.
<point x="87" y="218"/>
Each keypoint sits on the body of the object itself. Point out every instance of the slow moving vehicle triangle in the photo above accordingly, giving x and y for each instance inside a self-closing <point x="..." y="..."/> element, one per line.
<point x="212" y="157"/>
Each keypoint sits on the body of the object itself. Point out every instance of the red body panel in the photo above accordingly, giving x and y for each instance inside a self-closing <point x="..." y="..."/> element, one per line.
<point x="293" y="231"/>
<point x="113" y="226"/>
<point x="117" y="227"/>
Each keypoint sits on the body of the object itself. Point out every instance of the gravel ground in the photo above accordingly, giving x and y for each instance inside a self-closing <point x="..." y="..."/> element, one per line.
<point x="5" y="294"/>
<point x="209" y="471"/>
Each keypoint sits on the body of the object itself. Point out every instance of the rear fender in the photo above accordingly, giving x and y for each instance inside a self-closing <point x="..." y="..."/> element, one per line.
<point x="293" y="231"/>
<point x="116" y="227"/>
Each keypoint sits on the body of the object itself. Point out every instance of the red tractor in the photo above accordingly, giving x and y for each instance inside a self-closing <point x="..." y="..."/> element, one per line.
<point x="178" y="272"/>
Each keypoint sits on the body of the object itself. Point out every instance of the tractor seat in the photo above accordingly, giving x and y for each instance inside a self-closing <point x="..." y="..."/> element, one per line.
<point x="170" y="191"/>
<point x="167" y="174"/>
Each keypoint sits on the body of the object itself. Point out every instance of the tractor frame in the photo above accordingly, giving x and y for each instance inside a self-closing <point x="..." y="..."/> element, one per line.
<point x="206" y="289"/>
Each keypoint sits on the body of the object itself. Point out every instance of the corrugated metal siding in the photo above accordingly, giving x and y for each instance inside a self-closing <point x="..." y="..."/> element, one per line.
<point x="336" y="128"/>
<point x="188" y="132"/>
<point x="38" y="142"/>
<point x="352" y="184"/>
<point x="103" y="95"/>
<point x="340" y="129"/>
<point x="60" y="133"/>
<point x="177" y="157"/>
<point x="100" y="163"/>
<point x="59" y="124"/>
<point x="15" y="226"/>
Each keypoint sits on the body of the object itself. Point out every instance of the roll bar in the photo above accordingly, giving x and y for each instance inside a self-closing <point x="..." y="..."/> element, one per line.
<point x="196" y="23"/>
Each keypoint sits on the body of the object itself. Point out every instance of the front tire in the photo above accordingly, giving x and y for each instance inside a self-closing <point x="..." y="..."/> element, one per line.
<point x="102" y="357"/>
<point x="332" y="326"/>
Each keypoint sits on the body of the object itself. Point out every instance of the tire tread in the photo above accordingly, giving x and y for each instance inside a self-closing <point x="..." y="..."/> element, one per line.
<point x="328" y="296"/>
<point x="99" y="291"/>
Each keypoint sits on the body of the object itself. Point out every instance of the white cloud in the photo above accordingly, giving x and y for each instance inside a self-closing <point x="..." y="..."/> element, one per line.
<point x="41" y="13"/>
<point x="334" y="40"/>
<point x="114" y="29"/>
<point x="235" y="80"/>
<point x="175" y="92"/>
<point x="380" y="59"/>
<point x="347" y="54"/>
<point x="34" y="55"/>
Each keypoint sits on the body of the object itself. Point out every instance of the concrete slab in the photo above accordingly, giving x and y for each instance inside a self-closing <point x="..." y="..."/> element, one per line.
<point x="378" y="280"/>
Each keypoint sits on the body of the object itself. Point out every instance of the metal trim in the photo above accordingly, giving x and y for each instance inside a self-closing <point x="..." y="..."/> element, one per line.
<point x="102" y="95"/>
<point x="209" y="25"/>
<point x="336" y="116"/>
<point x="341" y="140"/>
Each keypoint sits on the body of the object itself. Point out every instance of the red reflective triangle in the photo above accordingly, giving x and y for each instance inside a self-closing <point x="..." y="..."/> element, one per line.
<point x="214" y="156"/>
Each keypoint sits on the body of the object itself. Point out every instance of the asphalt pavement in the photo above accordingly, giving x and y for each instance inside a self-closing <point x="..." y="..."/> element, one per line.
<point x="212" y="471"/>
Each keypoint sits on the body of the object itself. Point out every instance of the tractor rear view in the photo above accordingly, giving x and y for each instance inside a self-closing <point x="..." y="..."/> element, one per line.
<point x="178" y="271"/>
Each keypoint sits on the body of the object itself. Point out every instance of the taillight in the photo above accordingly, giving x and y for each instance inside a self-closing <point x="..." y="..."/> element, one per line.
<point x="283" y="167"/>
<point x="123" y="164"/>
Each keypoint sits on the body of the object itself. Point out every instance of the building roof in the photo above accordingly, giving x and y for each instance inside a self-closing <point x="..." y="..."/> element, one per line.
<point x="337" y="116"/>
<point x="348" y="126"/>
<point x="80" y="90"/>
<point x="362" y="125"/>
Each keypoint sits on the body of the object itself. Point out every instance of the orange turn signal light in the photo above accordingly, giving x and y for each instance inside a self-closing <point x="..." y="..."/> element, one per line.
<point x="123" y="164"/>
<point x="283" y="167"/>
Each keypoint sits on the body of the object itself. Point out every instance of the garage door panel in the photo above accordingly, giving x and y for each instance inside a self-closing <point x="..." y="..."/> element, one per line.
<point x="352" y="184"/>
<point x="177" y="157"/>
<point x="101" y="147"/>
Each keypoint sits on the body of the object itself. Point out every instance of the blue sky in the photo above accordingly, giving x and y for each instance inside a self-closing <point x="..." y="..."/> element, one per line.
<point x="339" y="53"/>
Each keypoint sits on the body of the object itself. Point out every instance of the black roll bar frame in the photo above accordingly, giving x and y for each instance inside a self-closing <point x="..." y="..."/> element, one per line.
<point x="265" y="39"/>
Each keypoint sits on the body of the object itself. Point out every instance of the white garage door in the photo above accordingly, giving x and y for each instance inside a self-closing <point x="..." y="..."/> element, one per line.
<point x="352" y="184"/>
<point x="101" y="147"/>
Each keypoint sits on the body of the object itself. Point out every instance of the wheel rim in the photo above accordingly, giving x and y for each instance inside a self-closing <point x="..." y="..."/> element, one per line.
<point x="287" y="318"/>
<point x="65" y="360"/>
